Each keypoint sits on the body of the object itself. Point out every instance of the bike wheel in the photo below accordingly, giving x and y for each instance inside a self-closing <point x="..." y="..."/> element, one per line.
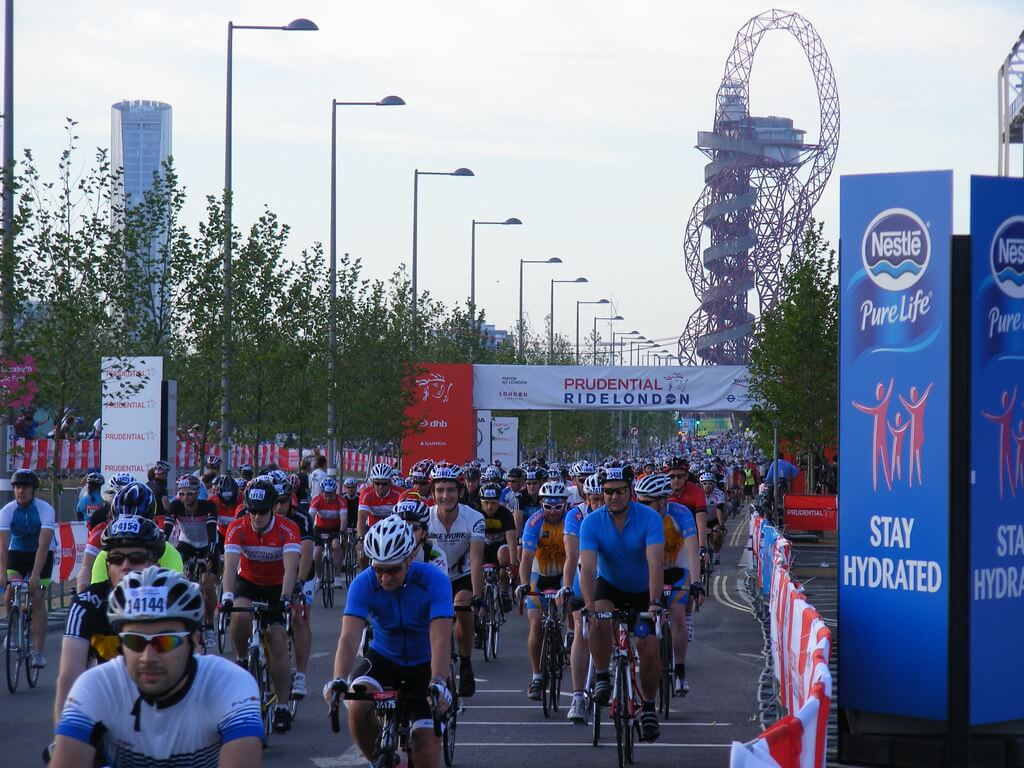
<point x="545" y="671"/>
<point x="492" y="639"/>
<point x="554" y="673"/>
<point x="448" y="736"/>
<point x="12" y="648"/>
<point x="255" y="669"/>
<point x="31" y="673"/>
<point x="595" y="721"/>
<point x="620" y="721"/>
<point x="327" y="582"/>
<point x="667" y="672"/>
<point x="222" y="631"/>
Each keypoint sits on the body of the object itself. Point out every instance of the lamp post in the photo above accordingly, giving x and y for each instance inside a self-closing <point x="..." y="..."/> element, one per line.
<point x="640" y="347"/>
<point x="415" y="225"/>
<point x="610" y="321"/>
<point x="551" y="324"/>
<point x="552" y="260"/>
<point x="599" y="301"/>
<point x="472" y="258"/>
<point x="635" y="342"/>
<point x="621" y="345"/>
<point x="6" y="279"/>
<point x="297" y="25"/>
<point x="332" y="334"/>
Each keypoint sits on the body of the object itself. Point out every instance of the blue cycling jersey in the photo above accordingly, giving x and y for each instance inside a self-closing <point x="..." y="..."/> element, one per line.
<point x="88" y="504"/>
<point x="622" y="557"/>
<point x="401" y="618"/>
<point x="25" y="523"/>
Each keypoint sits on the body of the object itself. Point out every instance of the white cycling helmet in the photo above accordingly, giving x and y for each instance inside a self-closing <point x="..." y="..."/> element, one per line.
<point x="553" y="488"/>
<point x="654" y="486"/>
<point x="582" y="469"/>
<point x="114" y="484"/>
<point x="155" y="594"/>
<point x="380" y="472"/>
<point x="389" y="541"/>
<point x="707" y="477"/>
<point x="592" y="485"/>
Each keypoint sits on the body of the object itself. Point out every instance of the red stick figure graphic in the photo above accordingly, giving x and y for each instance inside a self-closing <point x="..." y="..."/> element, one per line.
<point x="916" y="410"/>
<point x="1005" y="422"/>
<point x="898" y="432"/>
<point x="879" y="417"/>
<point x="1018" y="437"/>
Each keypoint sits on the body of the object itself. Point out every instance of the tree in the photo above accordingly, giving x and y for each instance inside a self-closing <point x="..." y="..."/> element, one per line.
<point x="794" y="361"/>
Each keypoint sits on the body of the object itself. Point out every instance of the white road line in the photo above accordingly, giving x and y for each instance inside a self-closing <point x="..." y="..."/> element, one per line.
<point x="573" y="725"/>
<point x="720" y="592"/>
<point x="471" y="705"/>
<point x="321" y="655"/>
<point x="578" y="744"/>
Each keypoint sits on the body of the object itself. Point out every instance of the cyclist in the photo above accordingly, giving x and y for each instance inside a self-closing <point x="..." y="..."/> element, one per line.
<point x="715" y="497"/>
<point x="159" y="704"/>
<point x="408" y="605"/>
<point x="132" y="544"/>
<point x="529" y="499"/>
<point x="158" y="485"/>
<point x="543" y="566"/>
<point x="510" y="496"/>
<point x="682" y="565"/>
<point x="261" y="561"/>
<point x="580" y="651"/>
<point x="197" y="538"/>
<point x="500" y="546"/>
<point x="134" y="499"/>
<point x="246" y="472"/>
<point x="376" y="501"/>
<point x="579" y="472"/>
<point x="458" y="531"/>
<point x="330" y="519"/>
<point x="107" y="493"/>
<point x="416" y="513"/>
<point x="225" y="501"/>
<point x="623" y="542"/>
<point x="420" y="477"/>
<point x="27" y="528"/>
<point x="471" y="490"/>
<point x="690" y="495"/>
<point x="91" y="499"/>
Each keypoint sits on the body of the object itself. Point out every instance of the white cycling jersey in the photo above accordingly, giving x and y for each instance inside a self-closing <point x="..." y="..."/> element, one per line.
<point x="454" y="541"/>
<point x="716" y="497"/>
<point x="221" y="704"/>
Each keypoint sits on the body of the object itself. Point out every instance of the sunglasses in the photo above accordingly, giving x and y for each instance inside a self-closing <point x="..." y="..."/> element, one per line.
<point x="552" y="504"/>
<point x="185" y="494"/>
<point x="387" y="570"/>
<point x="135" y="558"/>
<point x="678" y="477"/>
<point x="615" y="491"/>
<point x="381" y="484"/>
<point x="164" y="642"/>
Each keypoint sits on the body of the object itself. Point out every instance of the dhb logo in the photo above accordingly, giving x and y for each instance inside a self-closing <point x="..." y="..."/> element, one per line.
<point x="896" y="249"/>
<point x="1006" y="257"/>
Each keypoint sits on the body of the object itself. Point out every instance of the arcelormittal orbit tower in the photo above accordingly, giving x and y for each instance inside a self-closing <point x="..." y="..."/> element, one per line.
<point x="760" y="186"/>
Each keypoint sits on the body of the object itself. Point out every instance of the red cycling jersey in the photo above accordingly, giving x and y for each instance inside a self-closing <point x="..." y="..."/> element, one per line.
<point x="692" y="497"/>
<point x="261" y="553"/>
<point x="377" y="507"/>
<point x="328" y="512"/>
<point x="225" y="516"/>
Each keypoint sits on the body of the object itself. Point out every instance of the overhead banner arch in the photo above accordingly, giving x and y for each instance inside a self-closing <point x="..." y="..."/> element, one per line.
<point x="722" y="388"/>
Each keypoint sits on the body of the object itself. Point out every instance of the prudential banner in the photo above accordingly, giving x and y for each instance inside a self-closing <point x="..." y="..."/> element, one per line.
<point x="997" y="448"/>
<point x="131" y="414"/>
<point x="896" y="232"/>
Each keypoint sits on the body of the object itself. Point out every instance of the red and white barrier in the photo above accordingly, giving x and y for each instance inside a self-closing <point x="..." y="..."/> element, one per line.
<point x="801" y="644"/>
<point x="67" y="560"/>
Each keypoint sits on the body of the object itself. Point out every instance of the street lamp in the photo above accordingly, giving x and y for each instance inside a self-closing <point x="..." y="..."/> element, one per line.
<point x="610" y="321"/>
<point x="552" y="260"/>
<point x="599" y="301"/>
<point x="640" y="347"/>
<point x="472" y="258"/>
<point x="415" y="224"/>
<point x="620" y="343"/>
<point x="332" y="336"/>
<point x="296" y="25"/>
<point x="551" y="324"/>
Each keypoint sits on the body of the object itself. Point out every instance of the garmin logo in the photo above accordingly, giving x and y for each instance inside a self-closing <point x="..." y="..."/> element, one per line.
<point x="896" y="249"/>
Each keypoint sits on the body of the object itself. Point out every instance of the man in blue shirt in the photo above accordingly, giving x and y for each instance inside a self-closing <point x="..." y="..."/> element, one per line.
<point x="409" y="605"/>
<point x="624" y="543"/>
<point x="91" y="500"/>
<point x="782" y="469"/>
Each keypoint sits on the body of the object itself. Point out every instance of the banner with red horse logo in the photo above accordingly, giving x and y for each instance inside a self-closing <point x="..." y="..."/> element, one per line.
<point x="442" y="412"/>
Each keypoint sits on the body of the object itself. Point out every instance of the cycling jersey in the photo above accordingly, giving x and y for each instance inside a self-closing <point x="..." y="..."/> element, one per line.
<point x="454" y="541"/>
<point x="331" y="514"/>
<point x="692" y="497"/>
<point x="261" y="553"/>
<point x="377" y="508"/>
<point x="575" y="497"/>
<point x="622" y="557"/>
<point x="220" y="704"/>
<point x="197" y="528"/>
<point x="401" y="618"/>
<point x="24" y="524"/>
<point x="716" y="497"/>
<point x="510" y="498"/>
<point x="87" y="505"/>
<point x="225" y="514"/>
<point x="678" y="525"/>
<point x="304" y="523"/>
<point x="87" y="619"/>
<point x="545" y="540"/>
<point x="497" y="525"/>
<point x="171" y="558"/>
<point x="428" y="553"/>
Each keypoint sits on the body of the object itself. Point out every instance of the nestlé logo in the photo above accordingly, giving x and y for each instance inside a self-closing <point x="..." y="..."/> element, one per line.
<point x="1006" y="257"/>
<point x="896" y="249"/>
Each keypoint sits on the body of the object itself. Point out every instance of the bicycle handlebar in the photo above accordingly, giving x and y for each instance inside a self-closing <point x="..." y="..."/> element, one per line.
<point x="629" y="617"/>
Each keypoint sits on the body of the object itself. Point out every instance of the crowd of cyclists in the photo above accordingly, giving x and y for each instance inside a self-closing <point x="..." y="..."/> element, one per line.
<point x="166" y="580"/>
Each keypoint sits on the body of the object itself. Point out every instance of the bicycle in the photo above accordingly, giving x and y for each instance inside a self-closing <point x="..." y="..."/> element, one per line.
<point x="625" y="703"/>
<point x="327" y="569"/>
<point x="448" y="733"/>
<point x="553" y="652"/>
<point x="18" y="642"/>
<point x="193" y="569"/>
<point x="258" y="661"/>
<point x="349" y="556"/>
<point x="666" y="689"/>
<point x="298" y="607"/>
<point x="493" y="614"/>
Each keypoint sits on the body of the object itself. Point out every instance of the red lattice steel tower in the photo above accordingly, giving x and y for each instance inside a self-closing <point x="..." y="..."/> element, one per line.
<point x="761" y="184"/>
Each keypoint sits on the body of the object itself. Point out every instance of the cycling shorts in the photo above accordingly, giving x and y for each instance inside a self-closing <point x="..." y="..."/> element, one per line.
<point x="20" y="563"/>
<point x="207" y="562"/>
<point x="263" y="594"/>
<point x="491" y="552"/>
<point x="412" y="682"/>
<point x="540" y="583"/>
<point x="332" y="534"/>
<point x="462" y="584"/>
<point x="677" y="578"/>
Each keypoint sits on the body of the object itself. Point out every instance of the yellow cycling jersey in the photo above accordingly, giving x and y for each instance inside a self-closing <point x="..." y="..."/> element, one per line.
<point x="547" y="542"/>
<point x="169" y="559"/>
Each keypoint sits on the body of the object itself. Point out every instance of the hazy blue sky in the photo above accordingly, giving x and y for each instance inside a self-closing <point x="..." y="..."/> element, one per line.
<point x="578" y="116"/>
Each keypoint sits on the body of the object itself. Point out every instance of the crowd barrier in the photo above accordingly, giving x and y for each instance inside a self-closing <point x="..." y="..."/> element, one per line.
<point x="70" y="551"/>
<point x="800" y="648"/>
<point x="82" y="455"/>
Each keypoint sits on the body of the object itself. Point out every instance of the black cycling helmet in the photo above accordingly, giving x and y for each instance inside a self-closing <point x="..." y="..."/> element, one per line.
<point x="135" y="499"/>
<point x="228" y="489"/>
<point x="412" y="509"/>
<point x="490" y="492"/>
<point x="133" y="531"/>
<point x="676" y="462"/>
<point x="615" y="470"/>
<point x="25" y="477"/>
<point x="472" y="472"/>
<point x="261" y="494"/>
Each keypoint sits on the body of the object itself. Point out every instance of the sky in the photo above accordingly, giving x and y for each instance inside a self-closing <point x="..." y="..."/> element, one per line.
<point x="577" y="116"/>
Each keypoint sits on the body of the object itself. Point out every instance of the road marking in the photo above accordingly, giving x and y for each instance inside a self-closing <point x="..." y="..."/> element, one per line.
<point x="752" y="655"/>
<point x="350" y="757"/>
<point x="720" y="591"/>
<point x="739" y="531"/>
<point x="320" y="655"/>
<point x="578" y="744"/>
<point x="573" y="725"/>
<point x="471" y="705"/>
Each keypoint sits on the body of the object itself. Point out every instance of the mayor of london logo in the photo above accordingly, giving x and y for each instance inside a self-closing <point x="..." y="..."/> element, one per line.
<point x="1006" y="257"/>
<point x="896" y="249"/>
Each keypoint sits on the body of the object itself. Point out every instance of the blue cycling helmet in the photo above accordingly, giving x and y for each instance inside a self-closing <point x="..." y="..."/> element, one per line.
<point x="135" y="499"/>
<point x="329" y="485"/>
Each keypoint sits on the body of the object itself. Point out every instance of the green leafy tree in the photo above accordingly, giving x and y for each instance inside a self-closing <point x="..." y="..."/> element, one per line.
<point x="794" y="362"/>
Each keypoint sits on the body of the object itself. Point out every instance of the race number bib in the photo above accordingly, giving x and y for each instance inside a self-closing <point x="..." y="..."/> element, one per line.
<point x="145" y="601"/>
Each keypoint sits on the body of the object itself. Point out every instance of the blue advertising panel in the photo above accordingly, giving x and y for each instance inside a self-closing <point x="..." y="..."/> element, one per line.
<point x="896" y="233"/>
<point x="997" y="449"/>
